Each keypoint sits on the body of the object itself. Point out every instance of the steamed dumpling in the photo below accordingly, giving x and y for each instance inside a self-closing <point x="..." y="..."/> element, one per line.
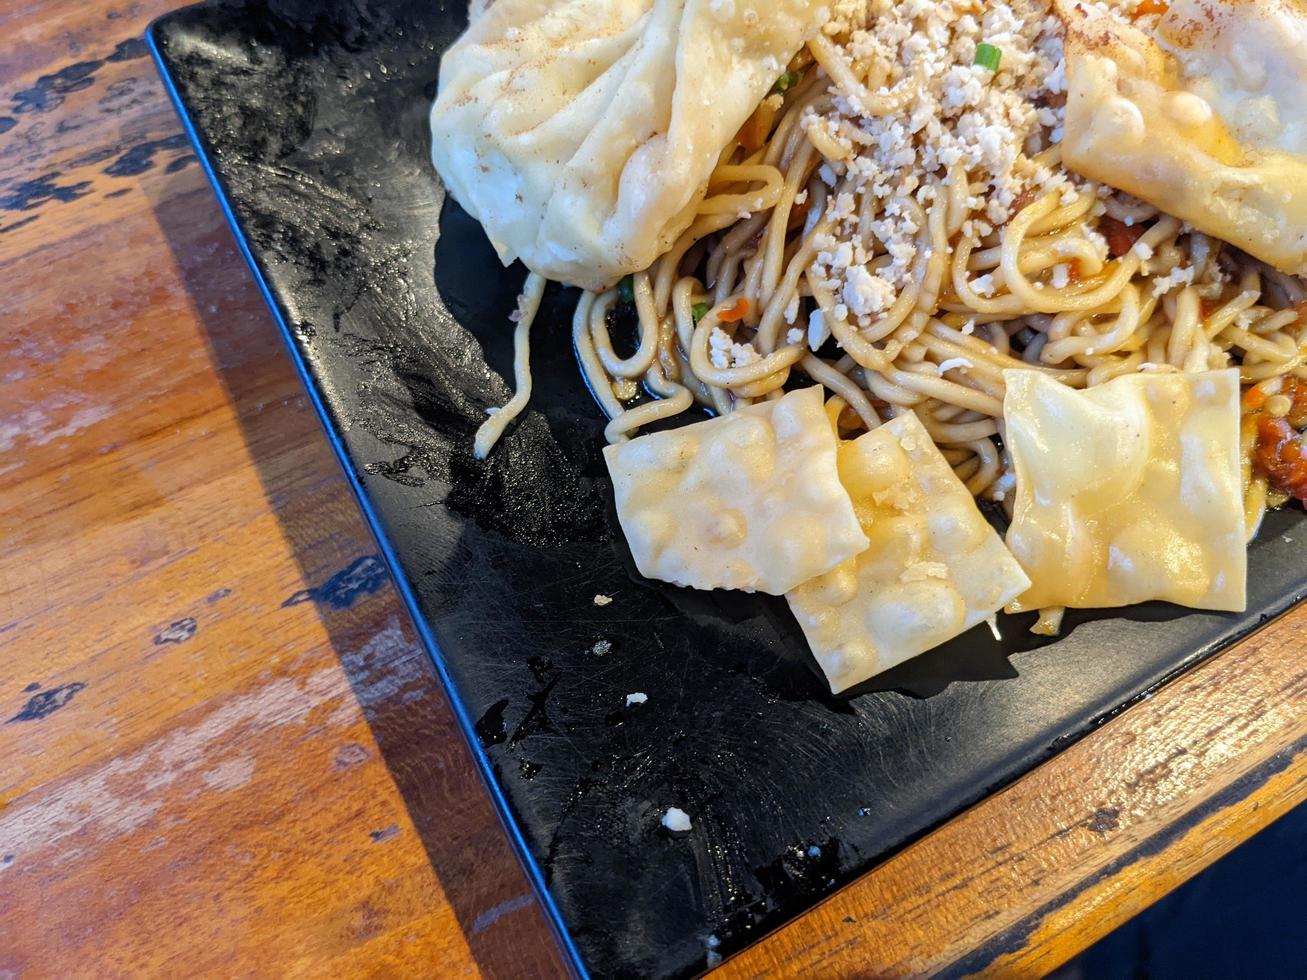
<point x="581" y="133"/>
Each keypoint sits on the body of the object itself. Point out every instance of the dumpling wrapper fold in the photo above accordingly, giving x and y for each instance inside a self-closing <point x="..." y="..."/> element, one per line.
<point x="1207" y="121"/>
<point x="582" y="133"/>
<point x="934" y="567"/>
<point x="749" y="501"/>
<point x="1127" y="491"/>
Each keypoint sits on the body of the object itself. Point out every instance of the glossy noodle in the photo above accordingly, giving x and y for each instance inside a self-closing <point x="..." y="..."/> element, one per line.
<point x="1028" y="267"/>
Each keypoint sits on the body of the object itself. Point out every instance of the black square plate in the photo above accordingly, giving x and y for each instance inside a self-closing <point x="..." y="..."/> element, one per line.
<point x="311" y="118"/>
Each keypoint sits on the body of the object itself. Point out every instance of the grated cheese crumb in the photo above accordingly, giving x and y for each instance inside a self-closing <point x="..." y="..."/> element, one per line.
<point x="818" y="330"/>
<point x="1179" y="276"/>
<point x="726" y="353"/>
<point x="864" y="293"/>
<point x="951" y="113"/>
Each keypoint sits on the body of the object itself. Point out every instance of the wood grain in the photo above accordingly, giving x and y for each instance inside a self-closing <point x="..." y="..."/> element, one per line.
<point x="221" y="749"/>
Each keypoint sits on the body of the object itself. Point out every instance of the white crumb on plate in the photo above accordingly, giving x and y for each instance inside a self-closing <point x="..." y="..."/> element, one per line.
<point x="676" y="820"/>
<point x="601" y="648"/>
<point x="711" y="945"/>
<point x="603" y="600"/>
<point x="639" y="697"/>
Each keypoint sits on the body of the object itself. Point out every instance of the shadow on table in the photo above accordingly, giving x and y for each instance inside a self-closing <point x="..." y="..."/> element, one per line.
<point x="1242" y="917"/>
<point x="393" y="680"/>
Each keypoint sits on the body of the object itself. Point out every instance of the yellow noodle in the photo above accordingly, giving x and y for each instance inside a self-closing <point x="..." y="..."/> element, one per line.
<point x="493" y="428"/>
<point x="938" y="347"/>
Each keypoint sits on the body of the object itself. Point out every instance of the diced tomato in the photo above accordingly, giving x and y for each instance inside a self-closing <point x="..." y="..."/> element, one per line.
<point x="1279" y="456"/>
<point x="798" y="215"/>
<point x="851" y="420"/>
<point x="1296" y="391"/>
<point x="756" y="129"/>
<point x="1021" y="200"/>
<point x="1147" y="7"/>
<point x="1120" y="236"/>
<point x="1253" y="400"/>
<point x="736" y="313"/>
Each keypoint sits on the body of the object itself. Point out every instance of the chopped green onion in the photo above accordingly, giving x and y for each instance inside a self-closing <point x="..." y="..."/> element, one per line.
<point x="699" y="311"/>
<point x="988" y="56"/>
<point x="787" y="81"/>
<point x="626" y="290"/>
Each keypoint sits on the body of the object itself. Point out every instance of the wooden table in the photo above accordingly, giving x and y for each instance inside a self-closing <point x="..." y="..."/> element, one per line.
<point x="221" y="748"/>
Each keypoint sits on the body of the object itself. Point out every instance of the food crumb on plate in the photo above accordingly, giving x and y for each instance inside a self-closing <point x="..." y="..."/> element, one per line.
<point x="639" y="697"/>
<point x="601" y="648"/>
<point x="603" y="600"/>
<point x="711" y="945"/>
<point x="676" y="820"/>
